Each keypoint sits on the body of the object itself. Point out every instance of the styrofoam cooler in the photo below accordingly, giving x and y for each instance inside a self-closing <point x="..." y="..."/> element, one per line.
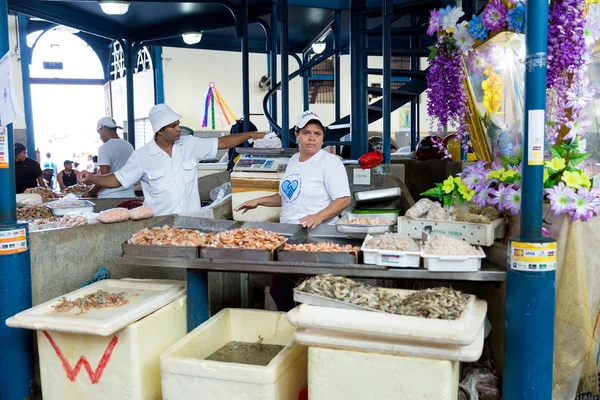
<point x="186" y="375"/>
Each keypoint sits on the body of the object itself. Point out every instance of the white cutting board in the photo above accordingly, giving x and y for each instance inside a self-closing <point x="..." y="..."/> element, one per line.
<point x="144" y="298"/>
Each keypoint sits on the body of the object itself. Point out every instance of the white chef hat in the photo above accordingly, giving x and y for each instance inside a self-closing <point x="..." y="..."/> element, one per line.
<point x="306" y="117"/>
<point x="162" y="115"/>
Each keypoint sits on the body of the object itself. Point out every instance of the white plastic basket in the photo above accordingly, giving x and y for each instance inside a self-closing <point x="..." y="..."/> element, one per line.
<point x="446" y="263"/>
<point x="390" y="258"/>
<point x="475" y="234"/>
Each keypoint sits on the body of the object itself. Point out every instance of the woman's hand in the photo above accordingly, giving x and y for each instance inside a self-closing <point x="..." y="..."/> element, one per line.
<point x="247" y="205"/>
<point x="311" y="221"/>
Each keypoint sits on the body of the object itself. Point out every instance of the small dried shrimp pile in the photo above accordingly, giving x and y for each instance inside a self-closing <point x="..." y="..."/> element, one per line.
<point x="366" y="221"/>
<point x="323" y="246"/>
<point x="438" y="303"/>
<point x="246" y="238"/>
<point x="44" y="192"/>
<point x="443" y="245"/>
<point x="30" y="213"/>
<point x="100" y="299"/>
<point x="441" y="303"/>
<point x="167" y="236"/>
<point x="77" y="189"/>
<point x="392" y="241"/>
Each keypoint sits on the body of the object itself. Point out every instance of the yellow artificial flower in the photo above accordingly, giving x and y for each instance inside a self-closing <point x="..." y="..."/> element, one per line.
<point x="448" y="185"/>
<point x="556" y="164"/>
<point x="493" y="90"/>
<point x="507" y="175"/>
<point x="546" y="174"/>
<point x="572" y="179"/>
<point x="466" y="193"/>
<point x="585" y="180"/>
<point x="495" y="174"/>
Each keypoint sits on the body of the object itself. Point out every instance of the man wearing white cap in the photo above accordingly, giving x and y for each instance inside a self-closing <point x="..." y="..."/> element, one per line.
<point x="112" y="156"/>
<point x="167" y="165"/>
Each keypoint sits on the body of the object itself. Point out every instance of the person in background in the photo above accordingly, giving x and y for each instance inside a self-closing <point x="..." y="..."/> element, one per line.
<point x="112" y="156"/>
<point x="167" y="166"/>
<point x="95" y="164"/>
<point x="314" y="191"/>
<point x="28" y="173"/>
<point x="68" y="176"/>
<point x="89" y="165"/>
<point x="49" y="170"/>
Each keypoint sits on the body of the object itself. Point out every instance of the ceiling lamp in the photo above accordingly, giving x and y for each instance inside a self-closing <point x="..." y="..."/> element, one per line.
<point x="319" y="47"/>
<point x="114" y="7"/>
<point x="192" y="37"/>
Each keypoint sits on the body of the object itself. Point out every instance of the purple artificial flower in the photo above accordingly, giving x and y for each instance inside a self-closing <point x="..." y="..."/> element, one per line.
<point x="482" y="195"/>
<point x="474" y="179"/>
<point x="584" y="205"/>
<point x="579" y="95"/>
<point x="494" y="15"/>
<point x="435" y="22"/>
<point x="499" y="196"/>
<point x="512" y="200"/>
<point x="560" y="197"/>
<point x="546" y="232"/>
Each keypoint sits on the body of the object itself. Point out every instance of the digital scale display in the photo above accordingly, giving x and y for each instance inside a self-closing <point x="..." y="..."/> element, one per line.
<point x="256" y="164"/>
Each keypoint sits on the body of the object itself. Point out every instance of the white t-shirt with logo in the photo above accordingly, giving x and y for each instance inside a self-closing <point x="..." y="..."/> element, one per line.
<point x="115" y="154"/>
<point x="310" y="186"/>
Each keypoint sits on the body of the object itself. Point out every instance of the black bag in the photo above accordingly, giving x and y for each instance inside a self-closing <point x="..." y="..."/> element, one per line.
<point x="238" y="127"/>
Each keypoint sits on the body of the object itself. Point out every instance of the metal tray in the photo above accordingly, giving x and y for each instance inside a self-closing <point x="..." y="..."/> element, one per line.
<point x="142" y="250"/>
<point x="347" y="228"/>
<point x="330" y="257"/>
<point x="288" y="230"/>
<point x="322" y="301"/>
<point x="377" y="195"/>
<point x="82" y="206"/>
<point x="237" y="254"/>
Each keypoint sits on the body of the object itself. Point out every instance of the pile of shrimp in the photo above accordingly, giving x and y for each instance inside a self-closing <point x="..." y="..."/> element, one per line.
<point x="322" y="246"/>
<point x="167" y="236"/>
<point x="246" y="238"/>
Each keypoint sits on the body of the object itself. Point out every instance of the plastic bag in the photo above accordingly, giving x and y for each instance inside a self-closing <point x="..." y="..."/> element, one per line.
<point x="142" y="212"/>
<point x="370" y="160"/>
<point x="481" y="384"/>
<point x="113" y="215"/>
<point x="220" y="192"/>
<point x="270" y="141"/>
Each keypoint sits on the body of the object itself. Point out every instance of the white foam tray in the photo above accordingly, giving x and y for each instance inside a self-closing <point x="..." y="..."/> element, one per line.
<point x="475" y="234"/>
<point x="144" y="298"/>
<point x="337" y="340"/>
<point x="444" y="263"/>
<point x="462" y="331"/>
<point x="390" y="258"/>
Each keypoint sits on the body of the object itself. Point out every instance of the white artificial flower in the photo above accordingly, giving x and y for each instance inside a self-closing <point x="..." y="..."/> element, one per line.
<point x="463" y="38"/>
<point x="593" y="11"/>
<point x="591" y="31"/>
<point x="451" y="18"/>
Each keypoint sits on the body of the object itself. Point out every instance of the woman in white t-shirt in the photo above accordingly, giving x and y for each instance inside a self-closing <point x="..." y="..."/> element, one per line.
<point x="314" y="191"/>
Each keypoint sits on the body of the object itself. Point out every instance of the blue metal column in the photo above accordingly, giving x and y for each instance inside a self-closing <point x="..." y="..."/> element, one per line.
<point x="386" y="37"/>
<point x="285" y="72"/>
<point x="414" y="103"/>
<point x="129" y="65"/>
<point x="197" y="298"/>
<point x="358" y="76"/>
<point x="273" y="62"/>
<point x="159" y="83"/>
<point x="16" y="345"/>
<point x="25" y="52"/>
<point x="245" y="66"/>
<point x="337" y="84"/>
<point x="305" y="84"/>
<point x="530" y="288"/>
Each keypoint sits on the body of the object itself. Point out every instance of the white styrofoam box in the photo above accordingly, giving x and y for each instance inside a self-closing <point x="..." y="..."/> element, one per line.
<point x="348" y="341"/>
<point x="144" y="297"/>
<point x="390" y="258"/>
<point x="186" y="374"/>
<point x="475" y="234"/>
<point x="446" y="263"/>
<point x="353" y="375"/>
<point x="124" y="365"/>
<point x="322" y="301"/>
<point x="462" y="331"/>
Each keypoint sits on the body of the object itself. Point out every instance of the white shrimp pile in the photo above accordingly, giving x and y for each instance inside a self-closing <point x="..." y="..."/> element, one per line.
<point x="392" y="241"/>
<point x="443" y="245"/>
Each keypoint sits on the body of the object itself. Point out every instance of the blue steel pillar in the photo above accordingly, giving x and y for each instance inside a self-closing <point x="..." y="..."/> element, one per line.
<point x="197" y="298"/>
<point x="386" y="37"/>
<point x="282" y="7"/>
<point x="159" y="83"/>
<point x="337" y="27"/>
<point x="530" y="285"/>
<point x="359" y="124"/>
<point x="273" y="62"/>
<point x="129" y="65"/>
<point x="305" y="84"/>
<point x="25" y="52"/>
<point x="16" y="345"/>
<point x="245" y="66"/>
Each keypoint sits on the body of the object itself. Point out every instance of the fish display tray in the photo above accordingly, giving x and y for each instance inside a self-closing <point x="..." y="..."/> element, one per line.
<point x="330" y="257"/>
<point x="237" y="254"/>
<point x="79" y="205"/>
<point x="143" y="250"/>
<point x="322" y="301"/>
<point x="390" y="258"/>
<point x="445" y="263"/>
<point x="355" y="228"/>
<point x="475" y="234"/>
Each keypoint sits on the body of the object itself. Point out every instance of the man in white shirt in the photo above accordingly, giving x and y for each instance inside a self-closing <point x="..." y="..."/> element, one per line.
<point x="167" y="165"/>
<point x="112" y="156"/>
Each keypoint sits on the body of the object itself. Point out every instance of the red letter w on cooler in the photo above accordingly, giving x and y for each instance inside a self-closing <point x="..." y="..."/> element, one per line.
<point x="83" y="362"/>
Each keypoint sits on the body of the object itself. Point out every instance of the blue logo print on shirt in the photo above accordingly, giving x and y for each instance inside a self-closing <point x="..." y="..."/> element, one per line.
<point x="290" y="188"/>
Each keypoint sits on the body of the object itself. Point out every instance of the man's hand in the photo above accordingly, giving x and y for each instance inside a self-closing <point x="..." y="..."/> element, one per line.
<point x="247" y="206"/>
<point x="311" y="221"/>
<point x="256" y="135"/>
<point x="85" y="178"/>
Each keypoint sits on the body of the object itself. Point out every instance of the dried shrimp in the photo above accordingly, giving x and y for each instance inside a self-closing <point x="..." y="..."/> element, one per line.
<point x="323" y="246"/>
<point x="441" y="303"/>
<point x="392" y="241"/>
<point x="99" y="299"/>
<point x="77" y="189"/>
<point x="44" y="192"/>
<point x="246" y="238"/>
<point x="166" y="236"/>
<point x="30" y="213"/>
<point x="443" y="245"/>
<point x="365" y="221"/>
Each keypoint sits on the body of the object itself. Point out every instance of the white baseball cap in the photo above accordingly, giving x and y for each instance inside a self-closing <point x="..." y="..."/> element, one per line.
<point x="107" y="122"/>
<point x="162" y="115"/>
<point x="306" y="117"/>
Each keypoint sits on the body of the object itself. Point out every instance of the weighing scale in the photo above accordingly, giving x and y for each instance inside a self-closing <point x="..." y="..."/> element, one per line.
<point x="263" y="160"/>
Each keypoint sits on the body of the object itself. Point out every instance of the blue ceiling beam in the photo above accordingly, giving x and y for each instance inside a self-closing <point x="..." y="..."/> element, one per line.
<point x="213" y="43"/>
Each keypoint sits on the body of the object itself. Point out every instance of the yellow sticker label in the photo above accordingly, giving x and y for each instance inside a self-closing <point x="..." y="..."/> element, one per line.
<point x="533" y="256"/>
<point x="13" y="241"/>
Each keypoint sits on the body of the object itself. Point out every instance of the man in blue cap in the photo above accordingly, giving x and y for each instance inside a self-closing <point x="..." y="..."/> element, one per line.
<point x="28" y="173"/>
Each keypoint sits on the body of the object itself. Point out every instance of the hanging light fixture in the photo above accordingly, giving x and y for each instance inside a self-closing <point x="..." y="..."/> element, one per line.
<point x="319" y="47"/>
<point x="114" y="7"/>
<point x="192" y="37"/>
